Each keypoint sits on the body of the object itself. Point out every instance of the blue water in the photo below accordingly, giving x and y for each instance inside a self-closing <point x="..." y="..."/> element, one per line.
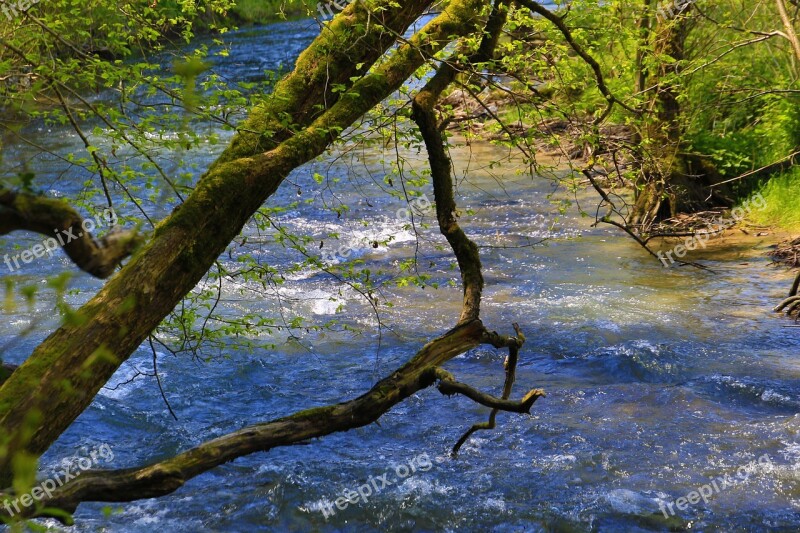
<point x="658" y="380"/>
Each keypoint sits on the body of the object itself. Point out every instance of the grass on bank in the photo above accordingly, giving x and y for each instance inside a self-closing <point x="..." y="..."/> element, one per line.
<point x="782" y="196"/>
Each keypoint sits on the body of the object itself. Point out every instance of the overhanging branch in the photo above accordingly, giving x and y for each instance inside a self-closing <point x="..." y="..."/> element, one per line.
<point x="164" y="477"/>
<point x="465" y="250"/>
<point x="187" y="243"/>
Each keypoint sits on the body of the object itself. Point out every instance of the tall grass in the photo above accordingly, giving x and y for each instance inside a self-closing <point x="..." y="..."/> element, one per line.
<point x="781" y="193"/>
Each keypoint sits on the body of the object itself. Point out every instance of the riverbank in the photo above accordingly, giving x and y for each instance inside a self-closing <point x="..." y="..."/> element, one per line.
<point x="773" y="227"/>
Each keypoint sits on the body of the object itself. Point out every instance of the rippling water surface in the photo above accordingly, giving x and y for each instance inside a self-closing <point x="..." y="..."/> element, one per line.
<point x="658" y="380"/>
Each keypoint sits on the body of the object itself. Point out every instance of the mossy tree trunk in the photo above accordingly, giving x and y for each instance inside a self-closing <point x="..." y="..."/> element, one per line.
<point x="61" y="377"/>
<point x="663" y="164"/>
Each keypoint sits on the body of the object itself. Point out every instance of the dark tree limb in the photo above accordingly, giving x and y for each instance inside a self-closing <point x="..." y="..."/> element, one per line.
<point x="424" y="114"/>
<point x="63" y="228"/>
<point x="449" y="386"/>
<point x="465" y="250"/>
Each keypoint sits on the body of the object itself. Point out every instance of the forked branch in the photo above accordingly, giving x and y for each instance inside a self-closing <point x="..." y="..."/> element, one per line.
<point x="510" y="364"/>
<point x="449" y="386"/>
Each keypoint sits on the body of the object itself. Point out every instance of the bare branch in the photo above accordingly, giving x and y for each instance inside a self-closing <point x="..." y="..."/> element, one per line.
<point x="449" y="386"/>
<point x="513" y="344"/>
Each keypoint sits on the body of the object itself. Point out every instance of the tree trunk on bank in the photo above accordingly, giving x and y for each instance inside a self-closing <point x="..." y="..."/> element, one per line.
<point x="62" y="376"/>
<point x="671" y="181"/>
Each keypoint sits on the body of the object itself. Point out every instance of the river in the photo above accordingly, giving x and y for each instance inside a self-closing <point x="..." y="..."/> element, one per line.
<point x="659" y="381"/>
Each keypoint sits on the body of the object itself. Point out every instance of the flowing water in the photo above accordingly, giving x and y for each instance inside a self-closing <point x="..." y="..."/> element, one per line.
<point x="659" y="381"/>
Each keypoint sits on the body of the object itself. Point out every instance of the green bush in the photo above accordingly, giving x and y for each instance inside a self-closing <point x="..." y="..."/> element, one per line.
<point x="260" y="11"/>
